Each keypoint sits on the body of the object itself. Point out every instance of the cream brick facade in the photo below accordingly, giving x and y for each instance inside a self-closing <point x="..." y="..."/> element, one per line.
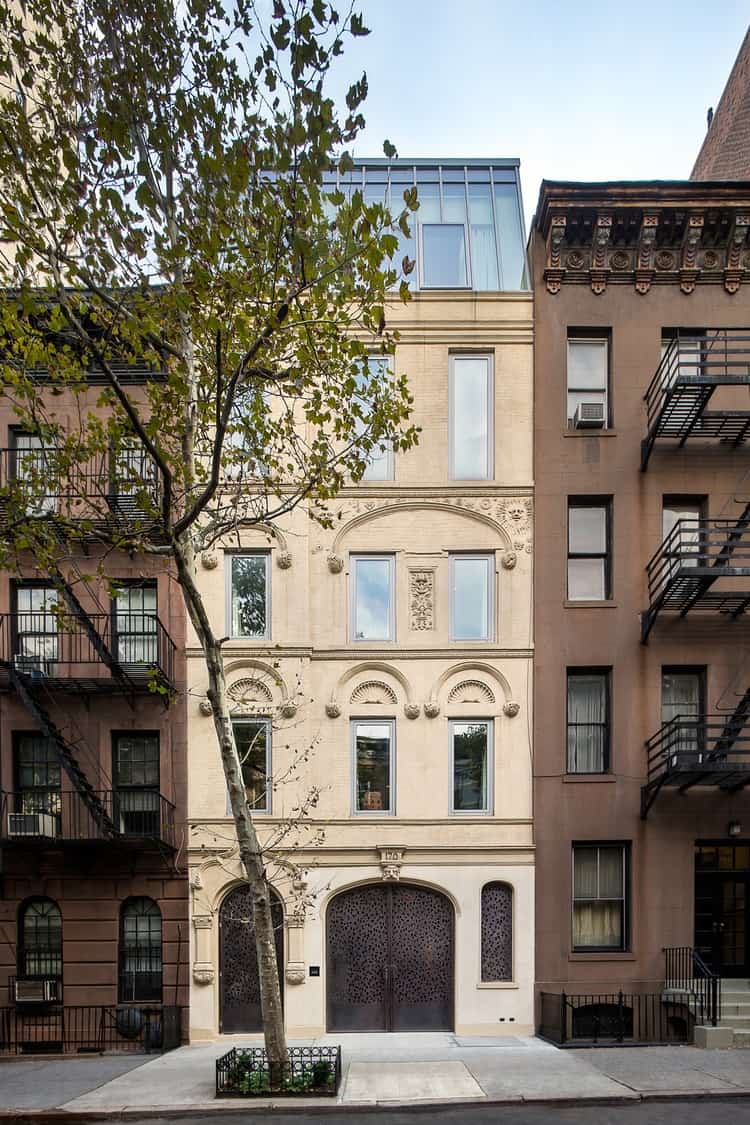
<point x="309" y="672"/>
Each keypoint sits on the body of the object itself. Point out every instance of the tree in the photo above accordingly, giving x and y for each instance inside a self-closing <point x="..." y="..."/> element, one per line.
<point x="176" y="192"/>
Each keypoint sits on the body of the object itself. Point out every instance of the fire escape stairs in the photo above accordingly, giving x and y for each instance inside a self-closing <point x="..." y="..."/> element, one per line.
<point x="98" y="643"/>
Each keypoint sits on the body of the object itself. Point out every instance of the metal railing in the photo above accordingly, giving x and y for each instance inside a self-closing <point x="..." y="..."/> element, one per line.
<point x="709" y="743"/>
<point x="311" y="1071"/>
<point x="614" y="1017"/>
<point x="46" y="646"/>
<point x="88" y="1028"/>
<point x="53" y="816"/>
<point x="698" y="549"/>
<point x="686" y="972"/>
<point x="720" y="357"/>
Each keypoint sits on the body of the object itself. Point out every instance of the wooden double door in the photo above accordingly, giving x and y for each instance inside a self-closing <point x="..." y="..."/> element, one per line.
<point x="390" y="959"/>
<point x="240" y="1009"/>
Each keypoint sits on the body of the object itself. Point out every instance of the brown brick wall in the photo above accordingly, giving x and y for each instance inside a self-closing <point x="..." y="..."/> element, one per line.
<point x="725" y="152"/>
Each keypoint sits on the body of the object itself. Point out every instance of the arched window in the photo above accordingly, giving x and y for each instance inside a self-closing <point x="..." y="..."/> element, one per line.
<point x="140" y="951"/>
<point x="40" y="939"/>
<point x="497" y="932"/>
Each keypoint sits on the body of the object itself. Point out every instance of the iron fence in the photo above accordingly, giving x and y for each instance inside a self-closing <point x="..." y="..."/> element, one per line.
<point x="89" y="1028"/>
<point x="615" y="1018"/>
<point x="686" y="972"/>
<point x="246" y="1073"/>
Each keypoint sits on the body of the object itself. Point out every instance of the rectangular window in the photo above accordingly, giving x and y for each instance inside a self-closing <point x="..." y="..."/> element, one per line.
<point x="588" y="375"/>
<point x="36" y="640"/>
<point x="248" y="595"/>
<point x="471" y="597"/>
<point x="588" y="727"/>
<point x="373" y="744"/>
<point x="380" y="464"/>
<point x="600" y="892"/>
<point x="683" y="693"/>
<point x="30" y="467"/>
<point x="471" y="417"/>
<point x="135" y="624"/>
<point x="136" y="778"/>
<point x="471" y="765"/>
<point x="372" y="578"/>
<point x="589" y="552"/>
<point x="38" y="780"/>
<point x="680" y="523"/>
<point x="253" y="741"/>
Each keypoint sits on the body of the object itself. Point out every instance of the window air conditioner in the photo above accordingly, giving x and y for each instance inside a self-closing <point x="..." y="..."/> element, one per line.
<point x="589" y="416"/>
<point x="37" y="824"/>
<point x="37" y="991"/>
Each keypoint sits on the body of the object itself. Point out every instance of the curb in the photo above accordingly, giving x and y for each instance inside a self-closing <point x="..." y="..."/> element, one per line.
<point x="316" y="1109"/>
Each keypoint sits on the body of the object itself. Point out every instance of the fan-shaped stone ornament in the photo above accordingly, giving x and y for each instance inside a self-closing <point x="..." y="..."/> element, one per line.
<point x="471" y="691"/>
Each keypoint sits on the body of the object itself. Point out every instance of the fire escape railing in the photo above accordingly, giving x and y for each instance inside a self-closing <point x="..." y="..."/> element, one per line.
<point x="694" y="556"/>
<point x="708" y="750"/>
<point x="691" y="369"/>
<point x="49" y="816"/>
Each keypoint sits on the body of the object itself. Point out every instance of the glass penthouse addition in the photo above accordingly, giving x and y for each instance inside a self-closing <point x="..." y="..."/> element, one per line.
<point x="468" y="232"/>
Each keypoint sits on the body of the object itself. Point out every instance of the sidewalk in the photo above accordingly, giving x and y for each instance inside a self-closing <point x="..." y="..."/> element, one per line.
<point x="380" y="1070"/>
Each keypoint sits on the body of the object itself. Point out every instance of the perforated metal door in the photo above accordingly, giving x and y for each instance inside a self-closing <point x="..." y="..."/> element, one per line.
<point x="240" y="984"/>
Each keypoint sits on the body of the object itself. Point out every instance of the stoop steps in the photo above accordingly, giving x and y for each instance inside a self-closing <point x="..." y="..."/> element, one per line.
<point x="735" y="1009"/>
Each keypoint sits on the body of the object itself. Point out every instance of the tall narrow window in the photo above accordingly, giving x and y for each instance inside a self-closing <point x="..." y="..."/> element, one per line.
<point x="372" y="611"/>
<point x="40" y="946"/>
<point x="600" y="897"/>
<point x="681" y="532"/>
<point x="36" y="634"/>
<point x="136" y="777"/>
<point x="471" y="758"/>
<point x="588" y="375"/>
<point x="589" y="551"/>
<point x="248" y="595"/>
<point x="38" y="790"/>
<point x="380" y="464"/>
<point x="683" y="705"/>
<point x="497" y="932"/>
<point x="30" y="467"/>
<point x="253" y="740"/>
<point x="140" y="975"/>
<point x="588" y="720"/>
<point x="373" y="766"/>
<point x="471" y="417"/>
<point x="136" y="624"/>
<point x="471" y="597"/>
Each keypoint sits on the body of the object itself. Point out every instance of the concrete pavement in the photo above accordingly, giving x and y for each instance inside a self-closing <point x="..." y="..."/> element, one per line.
<point x="383" y="1070"/>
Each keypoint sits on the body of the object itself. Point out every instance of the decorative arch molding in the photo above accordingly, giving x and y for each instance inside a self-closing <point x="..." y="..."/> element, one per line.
<point x="248" y="693"/>
<point x="471" y="691"/>
<point x="373" y="692"/>
<point x="256" y="670"/>
<point x="509" y="518"/>
<point x="411" y="709"/>
<point x="375" y="881"/>
<point x="471" y="668"/>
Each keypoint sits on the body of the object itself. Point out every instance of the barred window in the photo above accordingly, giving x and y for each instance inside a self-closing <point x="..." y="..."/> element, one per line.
<point x="40" y="946"/>
<point x="140" y="975"/>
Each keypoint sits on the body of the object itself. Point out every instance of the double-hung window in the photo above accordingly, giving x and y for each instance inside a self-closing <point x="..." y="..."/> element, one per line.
<point x="38" y="780"/>
<point x="136" y="625"/>
<point x="588" y="376"/>
<point x="380" y="465"/>
<point x="471" y="765"/>
<point x="589" y="549"/>
<point x="30" y="467"/>
<point x="372" y="589"/>
<point x="248" y="595"/>
<point x="252" y="738"/>
<point x="36" y="641"/>
<point x="373" y="752"/>
<point x="600" y="893"/>
<point x="471" y="597"/>
<point x="471" y="417"/>
<point x="136" y="777"/>
<point x="588" y="724"/>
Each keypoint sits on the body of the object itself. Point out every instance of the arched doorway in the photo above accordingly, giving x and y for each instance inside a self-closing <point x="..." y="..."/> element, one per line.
<point x="390" y="959"/>
<point x="238" y="962"/>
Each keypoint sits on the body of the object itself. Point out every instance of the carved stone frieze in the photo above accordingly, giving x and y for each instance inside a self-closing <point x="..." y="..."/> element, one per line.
<point x="421" y="599"/>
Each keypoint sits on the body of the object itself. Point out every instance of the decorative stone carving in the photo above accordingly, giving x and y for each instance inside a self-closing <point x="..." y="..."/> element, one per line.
<point x="510" y="558"/>
<point x="733" y="272"/>
<point x="249" y="693"/>
<point x="644" y="270"/>
<point x="575" y="260"/>
<point x="471" y="691"/>
<point x="665" y="260"/>
<point x="206" y="707"/>
<point x="295" y="974"/>
<point x="284" y="560"/>
<point x="421" y="599"/>
<point x="554" y="273"/>
<point x="288" y="709"/>
<point x="209" y="560"/>
<point x="373" y="691"/>
<point x="335" y="564"/>
<point x="390" y="863"/>
<point x="411" y="710"/>
<point x="689" y="265"/>
<point x="619" y="261"/>
<point x="203" y="972"/>
<point x="333" y="710"/>
<point x="602" y="235"/>
<point x="432" y="709"/>
<point x="511" y="709"/>
<point x="202" y="921"/>
<point x="196" y="882"/>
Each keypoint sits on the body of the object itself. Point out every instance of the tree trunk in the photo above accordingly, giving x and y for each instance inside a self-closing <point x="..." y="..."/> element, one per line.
<point x="247" y="838"/>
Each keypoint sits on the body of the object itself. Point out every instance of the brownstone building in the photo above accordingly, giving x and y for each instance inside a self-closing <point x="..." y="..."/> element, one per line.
<point x="93" y="894"/>
<point x="642" y="581"/>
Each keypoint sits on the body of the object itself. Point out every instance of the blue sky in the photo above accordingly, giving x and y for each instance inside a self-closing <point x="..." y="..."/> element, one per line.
<point x="581" y="90"/>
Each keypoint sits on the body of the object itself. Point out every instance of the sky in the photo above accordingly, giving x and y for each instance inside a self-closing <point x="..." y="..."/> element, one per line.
<point x="578" y="90"/>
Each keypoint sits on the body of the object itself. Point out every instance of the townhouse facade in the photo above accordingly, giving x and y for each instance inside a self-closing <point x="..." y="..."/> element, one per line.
<point x="93" y="895"/>
<point x="380" y="673"/>
<point x="642" y="583"/>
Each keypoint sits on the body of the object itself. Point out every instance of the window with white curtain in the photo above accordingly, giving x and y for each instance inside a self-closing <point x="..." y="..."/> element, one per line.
<point x="682" y="704"/>
<point x="600" y="891"/>
<point x="681" y="520"/>
<point x="588" y="720"/>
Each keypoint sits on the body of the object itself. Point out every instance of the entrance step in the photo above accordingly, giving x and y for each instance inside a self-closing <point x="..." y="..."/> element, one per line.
<point x="742" y="1038"/>
<point x="740" y="1023"/>
<point x="734" y="1011"/>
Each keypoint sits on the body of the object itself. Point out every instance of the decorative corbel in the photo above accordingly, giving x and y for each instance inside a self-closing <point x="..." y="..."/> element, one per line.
<point x="644" y="270"/>
<point x="734" y="271"/>
<point x="203" y="968"/>
<point x="689" y="270"/>
<point x="554" y="272"/>
<point x="599" y="271"/>
<point x="390" y="863"/>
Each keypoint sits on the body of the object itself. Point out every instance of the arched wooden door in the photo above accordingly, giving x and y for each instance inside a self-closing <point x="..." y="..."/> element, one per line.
<point x="238" y="962"/>
<point x="390" y="959"/>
